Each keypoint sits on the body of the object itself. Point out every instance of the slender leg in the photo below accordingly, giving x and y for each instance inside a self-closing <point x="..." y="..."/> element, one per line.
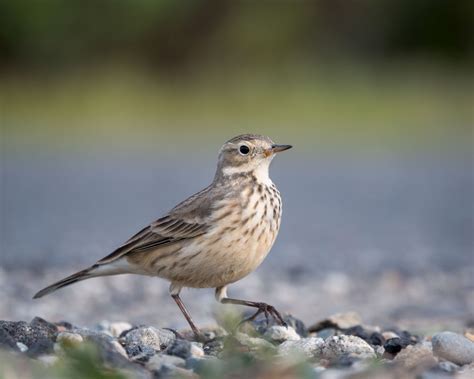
<point x="266" y="309"/>
<point x="186" y="314"/>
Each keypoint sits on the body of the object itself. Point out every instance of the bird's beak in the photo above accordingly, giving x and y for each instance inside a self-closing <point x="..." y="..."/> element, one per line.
<point x="279" y="148"/>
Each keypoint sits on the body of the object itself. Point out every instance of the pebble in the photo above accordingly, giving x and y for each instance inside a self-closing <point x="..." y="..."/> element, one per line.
<point x="339" y="321"/>
<point x="393" y="345"/>
<point x="416" y="356"/>
<point x="197" y="349"/>
<point x="453" y="347"/>
<point x="389" y="335"/>
<point x="180" y="348"/>
<point x="261" y="326"/>
<point x="279" y="334"/>
<point x="326" y="333"/>
<point x="68" y="339"/>
<point x="143" y="342"/>
<point x="309" y="347"/>
<point x="22" y="347"/>
<point x="350" y="346"/>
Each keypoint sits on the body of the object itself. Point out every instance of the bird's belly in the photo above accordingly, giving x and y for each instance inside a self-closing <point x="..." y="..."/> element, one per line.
<point x="223" y="257"/>
<point x="235" y="247"/>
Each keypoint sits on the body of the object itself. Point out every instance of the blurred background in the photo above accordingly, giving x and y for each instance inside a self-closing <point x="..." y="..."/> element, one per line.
<point x="113" y="111"/>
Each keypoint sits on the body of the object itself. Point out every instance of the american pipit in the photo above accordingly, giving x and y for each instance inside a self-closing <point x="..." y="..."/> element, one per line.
<point x="213" y="238"/>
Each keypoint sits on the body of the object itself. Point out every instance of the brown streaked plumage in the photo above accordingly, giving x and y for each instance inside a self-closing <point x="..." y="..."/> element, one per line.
<point x="214" y="238"/>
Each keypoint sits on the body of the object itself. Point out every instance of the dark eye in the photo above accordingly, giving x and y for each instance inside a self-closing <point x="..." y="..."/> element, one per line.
<point x="244" y="149"/>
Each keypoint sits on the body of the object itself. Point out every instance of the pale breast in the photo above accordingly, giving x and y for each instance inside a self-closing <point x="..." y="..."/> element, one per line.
<point x="245" y="230"/>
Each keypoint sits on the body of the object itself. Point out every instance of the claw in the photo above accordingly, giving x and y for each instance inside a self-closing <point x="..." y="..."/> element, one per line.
<point x="268" y="311"/>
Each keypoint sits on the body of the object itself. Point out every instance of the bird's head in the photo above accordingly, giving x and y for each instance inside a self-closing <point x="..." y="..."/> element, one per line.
<point x="247" y="153"/>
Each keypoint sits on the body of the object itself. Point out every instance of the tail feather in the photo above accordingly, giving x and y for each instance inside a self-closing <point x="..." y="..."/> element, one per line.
<point x="77" y="277"/>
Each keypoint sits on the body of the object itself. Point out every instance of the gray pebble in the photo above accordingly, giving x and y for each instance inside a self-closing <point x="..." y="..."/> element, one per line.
<point x="143" y="342"/>
<point x="453" y="347"/>
<point x="180" y="348"/>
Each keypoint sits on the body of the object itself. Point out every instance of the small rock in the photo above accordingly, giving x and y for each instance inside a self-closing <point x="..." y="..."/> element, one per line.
<point x="180" y="348"/>
<point x="309" y="347"/>
<point x="357" y="331"/>
<point x="338" y="321"/>
<point x="157" y="362"/>
<point x="388" y="335"/>
<point x="22" y="347"/>
<point x="196" y="349"/>
<point x="69" y="340"/>
<point x="326" y="333"/>
<point x="393" y="345"/>
<point x="453" y="347"/>
<point x="261" y="326"/>
<point x="355" y="347"/>
<point x="376" y="339"/>
<point x="143" y="342"/>
<point x="379" y="350"/>
<point x="30" y="333"/>
<point x="416" y="356"/>
<point x="279" y="334"/>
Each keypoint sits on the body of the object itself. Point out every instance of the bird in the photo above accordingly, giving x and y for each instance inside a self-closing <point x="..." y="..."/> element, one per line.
<point x="213" y="238"/>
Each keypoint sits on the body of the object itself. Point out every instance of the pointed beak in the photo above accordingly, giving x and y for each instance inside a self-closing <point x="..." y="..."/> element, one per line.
<point x="279" y="148"/>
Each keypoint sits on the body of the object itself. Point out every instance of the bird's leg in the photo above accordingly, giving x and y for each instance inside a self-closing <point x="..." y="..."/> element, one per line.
<point x="186" y="314"/>
<point x="174" y="290"/>
<point x="266" y="309"/>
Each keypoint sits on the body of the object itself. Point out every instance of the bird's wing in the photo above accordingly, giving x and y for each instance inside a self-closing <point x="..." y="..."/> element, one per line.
<point x="187" y="220"/>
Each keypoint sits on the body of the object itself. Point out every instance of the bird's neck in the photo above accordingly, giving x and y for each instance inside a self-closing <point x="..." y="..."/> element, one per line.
<point x="259" y="173"/>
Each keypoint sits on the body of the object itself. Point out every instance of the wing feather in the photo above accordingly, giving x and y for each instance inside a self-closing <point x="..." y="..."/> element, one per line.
<point x="187" y="220"/>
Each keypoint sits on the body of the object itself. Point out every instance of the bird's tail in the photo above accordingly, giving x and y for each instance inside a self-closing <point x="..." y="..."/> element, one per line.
<point x="77" y="277"/>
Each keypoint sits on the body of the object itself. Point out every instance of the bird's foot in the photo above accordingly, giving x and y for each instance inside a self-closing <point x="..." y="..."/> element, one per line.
<point x="269" y="311"/>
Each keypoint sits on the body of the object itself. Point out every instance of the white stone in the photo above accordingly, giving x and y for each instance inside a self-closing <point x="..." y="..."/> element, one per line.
<point x="280" y="334"/>
<point x="23" y="348"/>
<point x="309" y="347"/>
<point x="337" y="346"/>
<point x="196" y="349"/>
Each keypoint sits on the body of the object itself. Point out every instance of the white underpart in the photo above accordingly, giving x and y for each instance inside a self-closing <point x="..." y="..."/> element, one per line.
<point x="261" y="170"/>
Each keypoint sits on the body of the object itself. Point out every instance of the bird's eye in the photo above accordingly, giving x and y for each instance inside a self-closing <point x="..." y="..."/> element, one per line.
<point x="244" y="149"/>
